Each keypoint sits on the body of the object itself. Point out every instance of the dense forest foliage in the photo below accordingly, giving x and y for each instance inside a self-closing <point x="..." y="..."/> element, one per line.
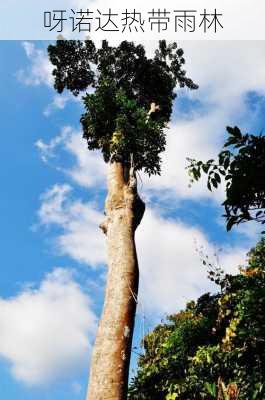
<point x="128" y="111"/>
<point x="215" y="348"/>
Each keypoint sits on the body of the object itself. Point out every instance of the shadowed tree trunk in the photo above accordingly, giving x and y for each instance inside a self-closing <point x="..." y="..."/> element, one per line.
<point x="111" y="354"/>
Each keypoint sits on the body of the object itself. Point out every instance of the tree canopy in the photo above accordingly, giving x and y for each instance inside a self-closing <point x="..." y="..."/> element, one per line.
<point x="130" y="103"/>
<point x="215" y="348"/>
<point x="242" y="165"/>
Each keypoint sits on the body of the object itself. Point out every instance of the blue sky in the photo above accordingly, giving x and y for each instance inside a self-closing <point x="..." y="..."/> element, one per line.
<point x="53" y="255"/>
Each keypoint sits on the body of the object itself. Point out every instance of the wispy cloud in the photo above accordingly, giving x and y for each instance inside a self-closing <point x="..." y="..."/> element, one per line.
<point x="48" y="150"/>
<point x="40" y="69"/>
<point x="88" y="168"/>
<point x="59" y="102"/>
<point x="81" y="237"/>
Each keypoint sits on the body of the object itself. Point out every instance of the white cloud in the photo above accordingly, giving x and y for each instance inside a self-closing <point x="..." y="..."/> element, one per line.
<point x="226" y="71"/>
<point x="251" y="229"/>
<point x="170" y="268"/>
<point x="59" y="102"/>
<point x="40" y="69"/>
<point x="196" y="138"/>
<point x="48" y="150"/>
<point x="52" y="210"/>
<point x="88" y="168"/>
<point x="46" y="333"/>
<point x="81" y="237"/>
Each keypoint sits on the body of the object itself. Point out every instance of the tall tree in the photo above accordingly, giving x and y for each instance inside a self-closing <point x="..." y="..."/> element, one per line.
<point x="125" y="117"/>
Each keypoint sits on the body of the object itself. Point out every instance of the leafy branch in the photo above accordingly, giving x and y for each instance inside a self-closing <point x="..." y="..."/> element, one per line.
<point x="241" y="165"/>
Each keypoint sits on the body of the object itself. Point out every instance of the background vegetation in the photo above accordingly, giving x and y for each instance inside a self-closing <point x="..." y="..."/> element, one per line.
<point x="215" y="348"/>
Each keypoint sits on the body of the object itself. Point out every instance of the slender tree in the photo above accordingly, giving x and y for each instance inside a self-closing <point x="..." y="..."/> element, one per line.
<point x="126" y="114"/>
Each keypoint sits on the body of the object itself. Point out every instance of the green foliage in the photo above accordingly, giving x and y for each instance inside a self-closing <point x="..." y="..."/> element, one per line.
<point x="242" y="165"/>
<point x="215" y="348"/>
<point x="125" y="84"/>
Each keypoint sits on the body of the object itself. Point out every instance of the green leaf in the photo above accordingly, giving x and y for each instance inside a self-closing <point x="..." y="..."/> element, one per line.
<point x="209" y="185"/>
<point x="211" y="388"/>
<point x="217" y="177"/>
<point x="214" y="183"/>
<point x="205" y="168"/>
<point x="226" y="163"/>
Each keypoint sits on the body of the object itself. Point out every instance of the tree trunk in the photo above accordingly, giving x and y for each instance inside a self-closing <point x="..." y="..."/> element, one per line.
<point x="111" y="354"/>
